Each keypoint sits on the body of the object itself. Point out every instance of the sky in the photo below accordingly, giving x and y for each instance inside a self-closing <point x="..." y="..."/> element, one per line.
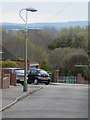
<point x="52" y="11"/>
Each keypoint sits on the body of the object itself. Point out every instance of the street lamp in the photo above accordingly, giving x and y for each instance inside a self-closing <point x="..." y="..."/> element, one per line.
<point x="25" y="88"/>
<point x="88" y="53"/>
<point x="88" y="58"/>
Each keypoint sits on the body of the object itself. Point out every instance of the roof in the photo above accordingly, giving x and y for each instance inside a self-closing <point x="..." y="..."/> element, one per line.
<point x="6" y="54"/>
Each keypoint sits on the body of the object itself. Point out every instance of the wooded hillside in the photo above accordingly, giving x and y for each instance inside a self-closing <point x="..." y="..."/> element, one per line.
<point x="58" y="49"/>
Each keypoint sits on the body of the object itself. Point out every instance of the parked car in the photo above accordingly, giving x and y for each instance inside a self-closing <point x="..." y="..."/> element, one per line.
<point x="19" y="75"/>
<point x="38" y="76"/>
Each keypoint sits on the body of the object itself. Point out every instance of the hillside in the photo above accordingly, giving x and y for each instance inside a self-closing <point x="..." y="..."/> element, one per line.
<point x="56" y="25"/>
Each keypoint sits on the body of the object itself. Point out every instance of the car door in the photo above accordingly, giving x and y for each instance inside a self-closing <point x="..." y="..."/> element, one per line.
<point x="31" y="76"/>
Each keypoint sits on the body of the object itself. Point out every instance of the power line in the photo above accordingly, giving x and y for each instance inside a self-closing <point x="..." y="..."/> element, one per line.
<point x="59" y="11"/>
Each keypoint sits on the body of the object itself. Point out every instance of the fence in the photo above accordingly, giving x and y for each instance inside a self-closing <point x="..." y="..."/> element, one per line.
<point x="67" y="79"/>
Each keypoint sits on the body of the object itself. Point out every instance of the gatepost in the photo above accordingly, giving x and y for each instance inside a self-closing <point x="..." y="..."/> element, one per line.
<point x="56" y="75"/>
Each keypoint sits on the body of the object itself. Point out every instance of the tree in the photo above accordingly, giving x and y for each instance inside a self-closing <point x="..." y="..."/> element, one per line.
<point x="75" y="58"/>
<point x="15" y="43"/>
<point x="65" y="58"/>
<point x="44" y="65"/>
<point x="72" y="37"/>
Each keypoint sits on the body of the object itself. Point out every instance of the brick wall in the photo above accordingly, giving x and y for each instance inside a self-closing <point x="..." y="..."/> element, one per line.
<point x="5" y="81"/>
<point x="81" y="79"/>
<point x="21" y="64"/>
<point x="13" y="79"/>
<point x="56" y="75"/>
<point x="12" y="76"/>
<point x="0" y="82"/>
<point x="7" y="78"/>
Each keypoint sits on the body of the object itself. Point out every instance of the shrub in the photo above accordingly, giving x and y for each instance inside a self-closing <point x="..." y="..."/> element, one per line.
<point x="8" y="63"/>
<point x="84" y="71"/>
<point x="44" y="65"/>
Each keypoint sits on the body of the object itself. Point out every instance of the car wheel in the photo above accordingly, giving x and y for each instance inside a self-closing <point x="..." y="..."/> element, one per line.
<point x="22" y="83"/>
<point x="35" y="82"/>
<point x="46" y="83"/>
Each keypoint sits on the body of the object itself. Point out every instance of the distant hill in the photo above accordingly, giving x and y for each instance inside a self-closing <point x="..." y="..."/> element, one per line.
<point x="57" y="25"/>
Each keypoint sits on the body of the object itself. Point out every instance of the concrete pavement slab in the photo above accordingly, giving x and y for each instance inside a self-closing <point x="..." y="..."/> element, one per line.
<point x="14" y="94"/>
<point x="65" y="84"/>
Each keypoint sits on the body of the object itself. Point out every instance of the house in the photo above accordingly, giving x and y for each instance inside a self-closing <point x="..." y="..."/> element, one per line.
<point x="30" y="64"/>
<point x="5" y="55"/>
<point x="5" y="80"/>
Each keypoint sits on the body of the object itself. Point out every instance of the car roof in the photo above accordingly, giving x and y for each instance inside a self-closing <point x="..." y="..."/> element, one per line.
<point x="19" y="69"/>
<point x="38" y="70"/>
<point x="13" y="68"/>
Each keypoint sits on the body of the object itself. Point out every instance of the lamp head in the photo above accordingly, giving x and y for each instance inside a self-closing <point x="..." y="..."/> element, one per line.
<point x="31" y="9"/>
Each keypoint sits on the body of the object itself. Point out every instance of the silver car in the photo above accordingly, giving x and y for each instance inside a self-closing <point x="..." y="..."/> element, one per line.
<point x="19" y="75"/>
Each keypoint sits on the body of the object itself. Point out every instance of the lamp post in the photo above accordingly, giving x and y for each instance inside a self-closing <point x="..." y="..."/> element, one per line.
<point x="88" y="66"/>
<point x="25" y="87"/>
<point x="88" y="53"/>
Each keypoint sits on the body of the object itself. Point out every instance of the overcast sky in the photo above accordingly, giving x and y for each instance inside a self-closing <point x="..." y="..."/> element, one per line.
<point x="47" y="11"/>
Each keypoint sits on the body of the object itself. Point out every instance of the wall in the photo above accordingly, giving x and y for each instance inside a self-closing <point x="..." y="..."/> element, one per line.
<point x="7" y="78"/>
<point x="12" y="76"/>
<point x="4" y="80"/>
<point x="81" y="79"/>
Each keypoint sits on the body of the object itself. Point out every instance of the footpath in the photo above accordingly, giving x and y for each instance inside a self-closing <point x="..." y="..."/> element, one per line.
<point x="13" y="94"/>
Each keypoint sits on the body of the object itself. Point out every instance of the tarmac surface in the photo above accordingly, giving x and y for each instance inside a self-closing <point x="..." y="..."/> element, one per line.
<point x="53" y="101"/>
<point x="13" y="94"/>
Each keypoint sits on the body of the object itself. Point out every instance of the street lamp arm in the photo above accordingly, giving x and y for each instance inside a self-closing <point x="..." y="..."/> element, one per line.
<point x="21" y="15"/>
<point x="27" y="9"/>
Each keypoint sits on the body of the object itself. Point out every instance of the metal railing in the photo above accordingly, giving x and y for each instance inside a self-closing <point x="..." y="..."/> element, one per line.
<point x="67" y="79"/>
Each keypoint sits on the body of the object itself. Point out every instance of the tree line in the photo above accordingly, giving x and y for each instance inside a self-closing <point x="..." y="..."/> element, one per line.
<point x="51" y="48"/>
<point x="76" y="37"/>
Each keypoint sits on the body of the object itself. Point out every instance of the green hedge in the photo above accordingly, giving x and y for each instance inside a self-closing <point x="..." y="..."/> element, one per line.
<point x="7" y="63"/>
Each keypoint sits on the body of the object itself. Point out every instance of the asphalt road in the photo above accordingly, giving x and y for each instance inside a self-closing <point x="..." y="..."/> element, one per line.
<point x="53" y="101"/>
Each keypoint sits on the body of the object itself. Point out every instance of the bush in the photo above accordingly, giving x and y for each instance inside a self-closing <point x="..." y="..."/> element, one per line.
<point x="87" y="73"/>
<point x="8" y="63"/>
<point x="44" y="65"/>
<point x="84" y="71"/>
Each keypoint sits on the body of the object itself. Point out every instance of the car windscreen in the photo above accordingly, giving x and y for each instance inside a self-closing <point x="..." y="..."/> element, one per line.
<point x="43" y="72"/>
<point x="19" y="71"/>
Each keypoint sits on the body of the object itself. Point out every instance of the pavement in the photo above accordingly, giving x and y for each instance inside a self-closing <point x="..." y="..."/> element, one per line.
<point x="65" y="84"/>
<point x="14" y="94"/>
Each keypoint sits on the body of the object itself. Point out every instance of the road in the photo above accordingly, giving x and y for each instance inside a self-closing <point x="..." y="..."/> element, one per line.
<point x="53" y="101"/>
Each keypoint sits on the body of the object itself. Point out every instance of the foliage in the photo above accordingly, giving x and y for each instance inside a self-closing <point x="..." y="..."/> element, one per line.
<point x="17" y="46"/>
<point x="21" y="59"/>
<point x="79" y="70"/>
<point x="44" y="65"/>
<point x="69" y="61"/>
<point x="84" y="71"/>
<point x="87" y="73"/>
<point x="60" y="56"/>
<point x="72" y="59"/>
<point x="64" y="72"/>
<point x="0" y="64"/>
<point x="71" y="37"/>
<point x="65" y="47"/>
<point x="65" y="59"/>
<point x="89" y="37"/>
<point x="8" y="63"/>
